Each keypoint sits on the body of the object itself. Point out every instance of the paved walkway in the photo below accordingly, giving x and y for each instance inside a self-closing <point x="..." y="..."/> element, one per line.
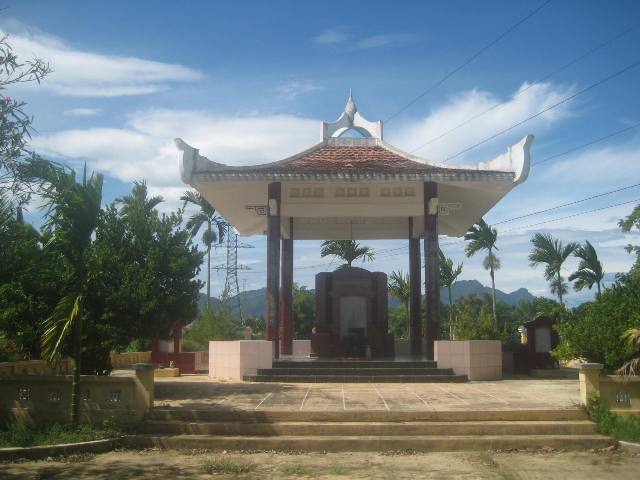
<point x="198" y="391"/>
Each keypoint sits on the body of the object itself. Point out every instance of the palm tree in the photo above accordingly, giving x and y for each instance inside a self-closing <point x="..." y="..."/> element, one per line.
<point x="139" y="200"/>
<point x="632" y="367"/>
<point x="482" y="236"/>
<point x="347" y="250"/>
<point x="214" y="228"/>
<point x="590" y="269"/>
<point x="448" y="277"/>
<point x="552" y="253"/>
<point x="72" y="215"/>
<point x="399" y="287"/>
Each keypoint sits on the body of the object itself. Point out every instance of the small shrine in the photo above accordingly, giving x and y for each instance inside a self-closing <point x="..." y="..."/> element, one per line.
<point x="346" y="188"/>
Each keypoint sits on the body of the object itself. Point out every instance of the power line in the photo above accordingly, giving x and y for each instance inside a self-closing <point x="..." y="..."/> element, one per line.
<point x="592" y="142"/>
<point x="551" y="107"/>
<point x="470" y="59"/>
<point x="574" y="215"/>
<point x="537" y="82"/>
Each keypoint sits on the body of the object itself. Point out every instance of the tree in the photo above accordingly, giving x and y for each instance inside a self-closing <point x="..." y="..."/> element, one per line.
<point x="30" y="282"/>
<point x="304" y="309"/>
<point x="481" y="236"/>
<point x="590" y="269"/>
<point x="210" y="325"/>
<point x="71" y="218"/>
<point x="551" y="252"/>
<point x="347" y="250"/>
<point x="214" y="228"/>
<point x="632" y="367"/>
<point x="448" y="277"/>
<point x="15" y="124"/>
<point x="139" y="201"/>
<point x="626" y="224"/>
<point x="596" y="332"/>
<point x="400" y="287"/>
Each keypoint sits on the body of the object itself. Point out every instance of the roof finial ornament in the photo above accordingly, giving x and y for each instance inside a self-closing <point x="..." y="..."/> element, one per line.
<point x="351" y="120"/>
<point x="350" y="108"/>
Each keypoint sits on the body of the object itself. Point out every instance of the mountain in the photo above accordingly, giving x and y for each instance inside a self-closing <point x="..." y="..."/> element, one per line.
<point x="253" y="300"/>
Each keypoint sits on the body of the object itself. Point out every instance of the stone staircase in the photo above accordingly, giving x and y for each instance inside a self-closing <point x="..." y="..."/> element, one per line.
<point x="338" y="431"/>
<point x="354" y="371"/>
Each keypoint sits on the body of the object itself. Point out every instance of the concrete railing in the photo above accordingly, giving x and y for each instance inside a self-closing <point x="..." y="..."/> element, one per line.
<point x="47" y="398"/>
<point x="618" y="392"/>
<point x="128" y="359"/>
<point x="35" y="367"/>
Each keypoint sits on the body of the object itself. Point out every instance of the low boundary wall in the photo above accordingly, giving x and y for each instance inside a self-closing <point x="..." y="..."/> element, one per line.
<point x="617" y="392"/>
<point x="47" y="398"/>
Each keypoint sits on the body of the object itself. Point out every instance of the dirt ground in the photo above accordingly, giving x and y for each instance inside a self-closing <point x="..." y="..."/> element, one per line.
<point x="147" y="464"/>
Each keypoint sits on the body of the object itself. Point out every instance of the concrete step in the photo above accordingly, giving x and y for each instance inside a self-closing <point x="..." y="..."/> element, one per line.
<point x="222" y="414"/>
<point x="349" y="371"/>
<point x="359" y="378"/>
<point x="353" y="364"/>
<point x="580" y="427"/>
<point x="423" y="443"/>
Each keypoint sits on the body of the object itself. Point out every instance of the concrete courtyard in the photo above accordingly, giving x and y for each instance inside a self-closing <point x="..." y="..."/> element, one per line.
<point x="513" y="393"/>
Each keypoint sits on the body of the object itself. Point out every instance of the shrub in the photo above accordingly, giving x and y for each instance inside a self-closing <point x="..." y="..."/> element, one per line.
<point x="622" y="427"/>
<point x="210" y="325"/>
<point x="595" y="332"/>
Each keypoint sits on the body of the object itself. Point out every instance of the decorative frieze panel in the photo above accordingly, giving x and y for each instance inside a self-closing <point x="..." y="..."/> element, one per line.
<point x="447" y="208"/>
<point x="258" y="209"/>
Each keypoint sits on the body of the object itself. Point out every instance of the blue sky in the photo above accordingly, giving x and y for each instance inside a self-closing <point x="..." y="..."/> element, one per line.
<point x="248" y="82"/>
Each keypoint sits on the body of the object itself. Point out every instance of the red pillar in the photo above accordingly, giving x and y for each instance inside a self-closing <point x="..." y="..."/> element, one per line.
<point x="286" y="294"/>
<point x="272" y="307"/>
<point x="415" y="298"/>
<point x="432" y="265"/>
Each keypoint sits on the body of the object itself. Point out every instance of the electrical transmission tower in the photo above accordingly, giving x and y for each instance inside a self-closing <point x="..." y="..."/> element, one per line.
<point x="231" y="292"/>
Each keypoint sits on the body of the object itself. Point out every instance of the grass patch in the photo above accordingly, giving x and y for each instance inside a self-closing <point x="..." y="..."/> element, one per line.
<point x="621" y="427"/>
<point x="19" y="434"/>
<point x="335" y="469"/>
<point x="226" y="465"/>
<point x="294" y="469"/>
<point x="488" y="461"/>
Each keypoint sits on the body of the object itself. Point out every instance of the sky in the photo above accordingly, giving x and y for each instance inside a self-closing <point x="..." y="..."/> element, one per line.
<point x="249" y="82"/>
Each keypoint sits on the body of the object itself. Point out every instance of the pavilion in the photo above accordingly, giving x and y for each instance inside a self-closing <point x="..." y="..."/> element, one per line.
<point x="354" y="188"/>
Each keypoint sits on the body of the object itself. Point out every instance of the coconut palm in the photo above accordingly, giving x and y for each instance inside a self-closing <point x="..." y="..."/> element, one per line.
<point x="347" y="250"/>
<point x="214" y="228"/>
<point x="400" y="288"/>
<point x="481" y="236"/>
<point x="71" y="218"/>
<point x="139" y="200"/>
<point x="448" y="277"/>
<point x="632" y="367"/>
<point x="551" y="252"/>
<point x="589" y="271"/>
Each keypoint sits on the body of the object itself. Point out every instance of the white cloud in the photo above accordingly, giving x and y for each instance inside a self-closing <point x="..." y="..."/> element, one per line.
<point x="331" y="36"/>
<point x="144" y="147"/>
<point x="82" y="112"/>
<point x="91" y="74"/>
<point x="340" y="36"/>
<point x="292" y="89"/>
<point x="458" y="109"/>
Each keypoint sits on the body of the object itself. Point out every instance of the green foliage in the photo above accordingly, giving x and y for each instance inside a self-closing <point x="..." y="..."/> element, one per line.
<point x="595" y="331"/>
<point x="552" y="253"/>
<point x="399" y="287"/>
<point x="482" y="237"/>
<point x="227" y="466"/>
<point x="210" y="325"/>
<point x="347" y="250"/>
<point x="304" y="311"/>
<point x="622" y="427"/>
<point x="399" y="322"/>
<point x="590" y="269"/>
<point x="30" y="282"/>
<point x="15" y="124"/>
<point x="19" y="434"/>
<point x="474" y="319"/>
<point x="627" y="224"/>
<point x="632" y="338"/>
